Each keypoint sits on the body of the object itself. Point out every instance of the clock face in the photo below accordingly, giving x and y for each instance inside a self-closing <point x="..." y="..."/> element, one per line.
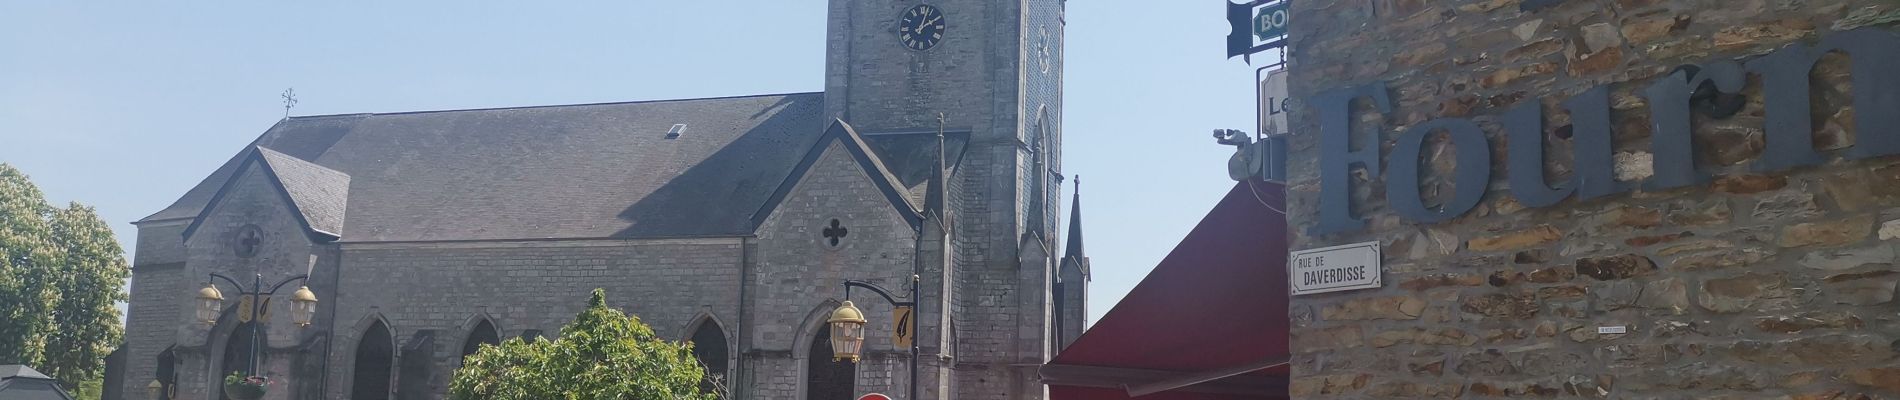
<point x="921" y="27"/>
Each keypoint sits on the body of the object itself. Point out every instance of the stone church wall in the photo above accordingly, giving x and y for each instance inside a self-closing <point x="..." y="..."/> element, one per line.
<point x="879" y="85"/>
<point x="168" y="316"/>
<point x="1754" y="285"/>
<point x="526" y="285"/>
<point x="160" y="292"/>
<point x="799" y="276"/>
<point x="984" y="77"/>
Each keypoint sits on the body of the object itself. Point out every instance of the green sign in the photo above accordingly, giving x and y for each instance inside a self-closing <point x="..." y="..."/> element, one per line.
<point x="1270" y="21"/>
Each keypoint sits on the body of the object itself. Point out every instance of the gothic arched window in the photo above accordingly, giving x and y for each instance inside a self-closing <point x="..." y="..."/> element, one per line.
<point x="483" y="333"/>
<point x="167" y="373"/>
<point x="375" y="356"/>
<point x="237" y="354"/>
<point x="709" y="347"/>
<point x="826" y="379"/>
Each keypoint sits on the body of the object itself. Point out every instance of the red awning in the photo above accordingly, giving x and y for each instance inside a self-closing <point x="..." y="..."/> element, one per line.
<point x="1208" y="323"/>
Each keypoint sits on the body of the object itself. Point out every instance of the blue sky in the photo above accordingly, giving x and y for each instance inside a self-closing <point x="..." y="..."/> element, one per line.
<point x="125" y="105"/>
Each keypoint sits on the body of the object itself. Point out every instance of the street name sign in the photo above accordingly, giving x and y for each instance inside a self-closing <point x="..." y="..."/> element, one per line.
<point x="1338" y="268"/>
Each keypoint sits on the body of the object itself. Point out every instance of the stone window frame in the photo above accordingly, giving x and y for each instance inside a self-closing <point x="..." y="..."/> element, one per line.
<point x="217" y="338"/>
<point x="732" y="343"/>
<point x="347" y="379"/>
<point x="801" y="345"/>
<point x="467" y="330"/>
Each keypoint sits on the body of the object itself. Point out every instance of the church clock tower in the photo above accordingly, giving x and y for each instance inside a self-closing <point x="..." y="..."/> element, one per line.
<point x="993" y="70"/>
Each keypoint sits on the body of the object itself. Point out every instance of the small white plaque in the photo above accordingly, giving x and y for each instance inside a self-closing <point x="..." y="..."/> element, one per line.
<point x="1338" y="268"/>
<point x="1612" y="330"/>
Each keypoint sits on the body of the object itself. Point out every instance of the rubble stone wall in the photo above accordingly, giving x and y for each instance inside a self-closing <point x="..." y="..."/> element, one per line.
<point x="1752" y="285"/>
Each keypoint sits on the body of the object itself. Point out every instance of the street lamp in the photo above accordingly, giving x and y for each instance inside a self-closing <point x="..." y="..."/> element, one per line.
<point x="847" y="325"/>
<point x="210" y="304"/>
<point x="303" y="304"/>
<point x="156" y="391"/>
<point x="847" y="332"/>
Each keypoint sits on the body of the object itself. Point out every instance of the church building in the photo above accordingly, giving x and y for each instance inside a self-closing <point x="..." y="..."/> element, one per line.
<point x="934" y="151"/>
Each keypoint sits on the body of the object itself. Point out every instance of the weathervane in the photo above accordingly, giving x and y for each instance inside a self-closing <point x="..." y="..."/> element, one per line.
<point x="290" y="100"/>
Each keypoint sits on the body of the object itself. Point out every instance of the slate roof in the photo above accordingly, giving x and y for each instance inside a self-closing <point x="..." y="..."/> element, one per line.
<point x="575" y="171"/>
<point x="318" y="193"/>
<point x="19" y="382"/>
<point x="20" y="371"/>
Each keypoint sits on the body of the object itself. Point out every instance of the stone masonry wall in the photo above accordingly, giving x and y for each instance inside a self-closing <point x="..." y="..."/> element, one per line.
<point x="284" y="249"/>
<point x="518" y="286"/>
<point x="980" y="78"/>
<point x="799" y="275"/>
<point x="159" y="291"/>
<point x="1773" y="285"/>
<point x="878" y="85"/>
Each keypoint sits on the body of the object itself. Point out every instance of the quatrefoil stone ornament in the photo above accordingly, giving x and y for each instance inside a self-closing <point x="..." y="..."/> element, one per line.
<point x="247" y="241"/>
<point x="834" y="234"/>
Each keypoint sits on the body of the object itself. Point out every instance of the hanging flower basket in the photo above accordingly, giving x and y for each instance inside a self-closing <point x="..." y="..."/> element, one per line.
<point x="240" y="387"/>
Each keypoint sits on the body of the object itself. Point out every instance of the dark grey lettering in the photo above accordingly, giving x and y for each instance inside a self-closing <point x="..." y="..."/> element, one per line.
<point x="1472" y="172"/>
<point x="1337" y="156"/>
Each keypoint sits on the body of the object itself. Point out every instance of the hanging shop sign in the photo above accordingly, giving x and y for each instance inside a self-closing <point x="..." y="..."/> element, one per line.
<point x="1712" y="89"/>
<point x="1338" y="268"/>
<point x="1273" y="105"/>
<point x="1258" y="25"/>
<point x="1269" y="22"/>
<point x="903" y="326"/>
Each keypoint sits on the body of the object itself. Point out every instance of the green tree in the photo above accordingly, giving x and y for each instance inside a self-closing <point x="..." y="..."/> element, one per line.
<point x="603" y="354"/>
<point x="89" y="390"/>
<point x="61" y="272"/>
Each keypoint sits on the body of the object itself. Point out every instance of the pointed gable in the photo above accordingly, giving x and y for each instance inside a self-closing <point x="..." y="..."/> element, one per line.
<point x="886" y="183"/>
<point x="317" y="196"/>
<point x="300" y="137"/>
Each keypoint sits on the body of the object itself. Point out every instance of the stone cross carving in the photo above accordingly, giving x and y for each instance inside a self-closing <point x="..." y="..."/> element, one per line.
<point x="247" y="241"/>
<point x="835" y="232"/>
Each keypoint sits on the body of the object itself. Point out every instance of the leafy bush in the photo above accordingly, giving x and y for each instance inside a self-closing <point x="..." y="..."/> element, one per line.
<point x="603" y="354"/>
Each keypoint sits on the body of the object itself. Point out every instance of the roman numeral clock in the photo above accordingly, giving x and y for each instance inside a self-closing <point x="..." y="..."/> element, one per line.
<point x="921" y="27"/>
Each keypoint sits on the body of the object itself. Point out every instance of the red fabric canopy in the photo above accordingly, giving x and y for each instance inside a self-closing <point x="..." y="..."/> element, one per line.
<point x="1208" y="323"/>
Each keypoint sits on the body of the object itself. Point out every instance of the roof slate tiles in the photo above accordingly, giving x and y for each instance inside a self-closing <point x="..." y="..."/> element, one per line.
<point x="319" y="193"/>
<point x="578" y="171"/>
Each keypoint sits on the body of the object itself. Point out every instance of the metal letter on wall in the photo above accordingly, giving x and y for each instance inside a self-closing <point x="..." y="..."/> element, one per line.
<point x="1671" y="126"/>
<point x="1785" y="88"/>
<point x="1713" y="90"/>
<point x="1524" y="128"/>
<point x="1473" y="170"/>
<point x="1789" y="132"/>
<point x="1337" y="157"/>
<point x="1876" y="54"/>
<point x="1594" y="160"/>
